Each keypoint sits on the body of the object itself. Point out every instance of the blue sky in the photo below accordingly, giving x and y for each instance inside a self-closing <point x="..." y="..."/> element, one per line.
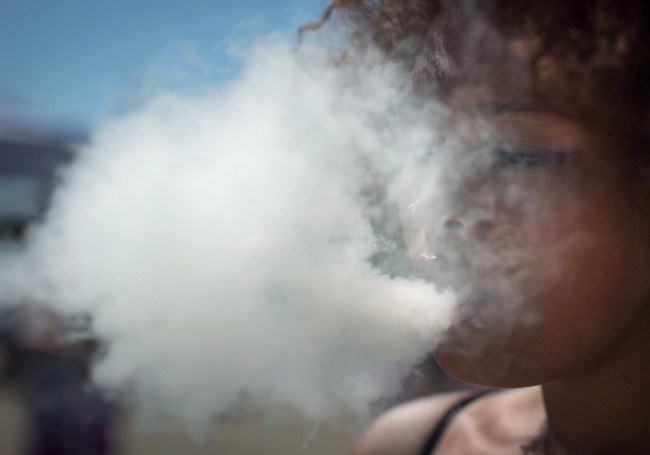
<point x="74" y="61"/>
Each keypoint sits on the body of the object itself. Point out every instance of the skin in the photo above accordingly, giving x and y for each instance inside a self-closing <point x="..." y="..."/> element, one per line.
<point x="550" y="260"/>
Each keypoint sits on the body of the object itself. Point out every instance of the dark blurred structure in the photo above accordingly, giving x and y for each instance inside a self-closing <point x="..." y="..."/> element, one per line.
<point x="66" y="413"/>
<point x="29" y="163"/>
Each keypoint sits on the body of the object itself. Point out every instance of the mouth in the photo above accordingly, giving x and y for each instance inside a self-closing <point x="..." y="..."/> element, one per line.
<point x="476" y="303"/>
<point x="444" y="270"/>
<point x="453" y="272"/>
<point x="477" y="315"/>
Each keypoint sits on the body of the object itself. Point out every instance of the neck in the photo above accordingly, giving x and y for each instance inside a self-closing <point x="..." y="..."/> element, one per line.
<point x="608" y="409"/>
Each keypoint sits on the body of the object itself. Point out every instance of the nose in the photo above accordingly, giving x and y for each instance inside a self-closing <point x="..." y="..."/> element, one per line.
<point x="450" y="226"/>
<point x="469" y="225"/>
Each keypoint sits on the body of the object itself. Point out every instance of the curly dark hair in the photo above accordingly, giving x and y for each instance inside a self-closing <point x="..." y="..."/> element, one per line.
<point x="603" y="46"/>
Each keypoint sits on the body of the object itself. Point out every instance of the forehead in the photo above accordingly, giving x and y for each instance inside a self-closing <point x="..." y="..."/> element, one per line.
<point x="467" y="60"/>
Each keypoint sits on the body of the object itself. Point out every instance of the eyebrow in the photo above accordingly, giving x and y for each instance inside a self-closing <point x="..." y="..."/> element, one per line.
<point x="497" y="108"/>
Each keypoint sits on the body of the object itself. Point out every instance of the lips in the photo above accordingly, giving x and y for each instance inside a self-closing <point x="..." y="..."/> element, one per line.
<point x="443" y="269"/>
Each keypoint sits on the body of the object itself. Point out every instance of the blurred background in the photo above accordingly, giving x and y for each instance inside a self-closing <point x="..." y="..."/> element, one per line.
<point x="66" y="65"/>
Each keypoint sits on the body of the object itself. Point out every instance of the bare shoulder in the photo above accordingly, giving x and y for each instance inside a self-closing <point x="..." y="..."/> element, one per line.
<point x="495" y="422"/>
<point x="405" y="428"/>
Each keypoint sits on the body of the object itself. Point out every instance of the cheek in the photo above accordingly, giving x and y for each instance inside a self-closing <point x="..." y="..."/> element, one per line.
<point x="536" y="218"/>
<point x="559" y="250"/>
<point x="591" y="284"/>
<point x="585" y="241"/>
<point x="569" y="286"/>
<point x="529" y="232"/>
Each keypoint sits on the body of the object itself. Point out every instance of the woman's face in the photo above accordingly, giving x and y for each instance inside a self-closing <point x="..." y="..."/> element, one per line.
<point x="528" y="214"/>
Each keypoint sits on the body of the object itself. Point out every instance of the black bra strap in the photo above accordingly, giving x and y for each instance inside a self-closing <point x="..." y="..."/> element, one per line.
<point x="446" y="420"/>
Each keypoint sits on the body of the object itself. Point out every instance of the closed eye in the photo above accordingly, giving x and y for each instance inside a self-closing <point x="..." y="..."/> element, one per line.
<point x="531" y="157"/>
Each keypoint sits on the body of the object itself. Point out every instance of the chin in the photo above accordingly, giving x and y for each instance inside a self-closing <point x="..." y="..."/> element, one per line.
<point x="489" y="355"/>
<point x="484" y="371"/>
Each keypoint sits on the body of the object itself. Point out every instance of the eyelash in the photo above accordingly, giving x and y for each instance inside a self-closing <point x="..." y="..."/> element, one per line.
<point x="531" y="158"/>
<point x="518" y="157"/>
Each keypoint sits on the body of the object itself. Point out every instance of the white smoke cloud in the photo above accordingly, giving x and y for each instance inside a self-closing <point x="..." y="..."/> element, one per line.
<point x="221" y="243"/>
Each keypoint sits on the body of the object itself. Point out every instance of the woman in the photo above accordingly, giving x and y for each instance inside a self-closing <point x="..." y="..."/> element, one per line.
<point x="535" y="214"/>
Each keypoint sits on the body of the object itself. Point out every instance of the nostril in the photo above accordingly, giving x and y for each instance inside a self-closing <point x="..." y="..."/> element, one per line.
<point x="449" y="229"/>
<point x="452" y="225"/>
